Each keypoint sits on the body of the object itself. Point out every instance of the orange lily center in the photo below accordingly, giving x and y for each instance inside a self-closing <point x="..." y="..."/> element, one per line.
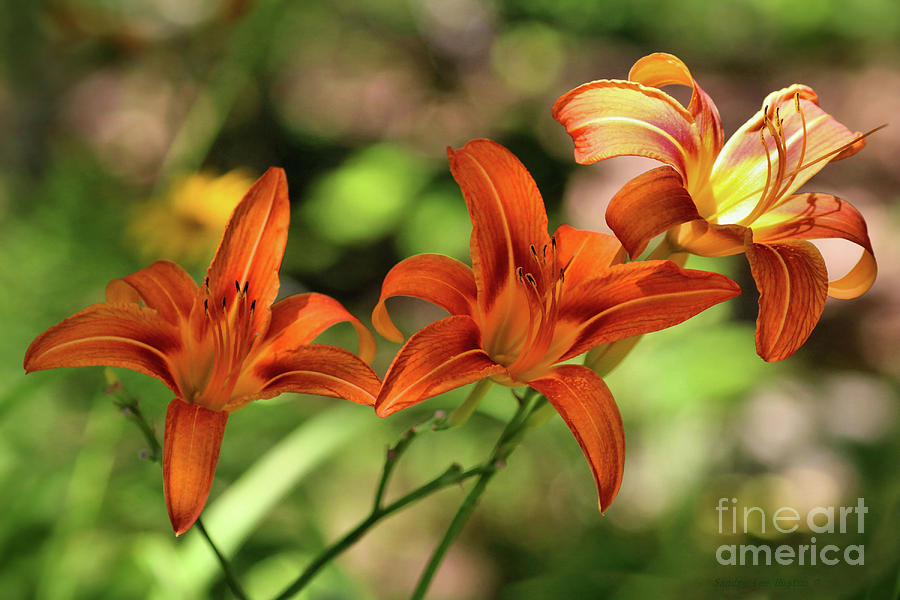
<point x="526" y="341"/>
<point x="229" y="338"/>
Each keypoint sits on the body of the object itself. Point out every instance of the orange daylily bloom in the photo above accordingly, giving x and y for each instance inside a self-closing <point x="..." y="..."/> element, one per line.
<point x="218" y="346"/>
<point x="719" y="199"/>
<point x="531" y="301"/>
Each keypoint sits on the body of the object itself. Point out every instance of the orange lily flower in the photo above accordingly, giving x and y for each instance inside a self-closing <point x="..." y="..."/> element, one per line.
<point x="718" y="200"/>
<point x="218" y="346"/>
<point x="529" y="302"/>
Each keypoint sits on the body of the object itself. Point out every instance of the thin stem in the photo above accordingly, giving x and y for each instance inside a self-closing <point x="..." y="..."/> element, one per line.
<point x="454" y="474"/>
<point x="505" y="445"/>
<point x="131" y="409"/>
<point x="462" y="412"/>
<point x="226" y="567"/>
<point x="603" y="359"/>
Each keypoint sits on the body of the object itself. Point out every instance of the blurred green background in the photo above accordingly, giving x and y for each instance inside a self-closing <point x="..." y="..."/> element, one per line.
<point x="117" y="119"/>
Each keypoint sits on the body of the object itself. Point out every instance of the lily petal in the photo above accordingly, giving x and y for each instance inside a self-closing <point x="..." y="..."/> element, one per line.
<point x="253" y="244"/>
<point x="298" y="319"/>
<point x="659" y="69"/>
<point x="163" y="286"/>
<point x="637" y="298"/>
<point x="647" y="206"/>
<point x="436" y="278"/>
<point x="703" y="238"/>
<point x="610" y="118"/>
<point x="190" y="452"/>
<point x="507" y="212"/>
<point x="588" y="408"/>
<point x="793" y="285"/>
<point x="582" y="254"/>
<point x="820" y="216"/>
<point x="739" y="173"/>
<point x="310" y="369"/>
<point x="442" y="356"/>
<point x="110" y="335"/>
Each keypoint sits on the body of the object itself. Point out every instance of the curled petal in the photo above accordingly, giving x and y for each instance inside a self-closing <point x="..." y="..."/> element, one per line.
<point x="659" y="69"/>
<point x="613" y="118"/>
<point x="440" y="357"/>
<point x="820" y="216"/>
<point x="314" y="369"/>
<point x="436" y="278"/>
<point x="793" y="285"/>
<point x="163" y="286"/>
<point x="298" y="319"/>
<point x="647" y="206"/>
<point x="253" y="244"/>
<point x="637" y="298"/>
<point x="857" y="281"/>
<point x="110" y="335"/>
<point x="588" y="408"/>
<point x="190" y="452"/>
<point x="582" y="254"/>
<point x="507" y="212"/>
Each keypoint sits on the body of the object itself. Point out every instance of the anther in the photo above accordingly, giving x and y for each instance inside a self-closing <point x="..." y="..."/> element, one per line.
<point x="520" y="274"/>
<point x="531" y="280"/>
<point x="246" y="286"/>
<point x="562" y="276"/>
<point x="223" y="302"/>
<point x="544" y="251"/>
<point x="207" y="283"/>
<point x="206" y="306"/>
<point x="252" y="306"/>
<point x="797" y="101"/>
<point x="237" y="286"/>
<point x="533" y="251"/>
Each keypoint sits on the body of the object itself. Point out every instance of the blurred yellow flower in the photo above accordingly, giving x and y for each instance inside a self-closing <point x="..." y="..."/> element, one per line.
<point x="186" y="224"/>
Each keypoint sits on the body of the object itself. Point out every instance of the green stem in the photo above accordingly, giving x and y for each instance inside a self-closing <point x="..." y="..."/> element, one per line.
<point x="226" y="567"/>
<point x="603" y="359"/>
<point x="454" y="474"/>
<point x="505" y="445"/>
<point x="462" y="412"/>
<point x="131" y="409"/>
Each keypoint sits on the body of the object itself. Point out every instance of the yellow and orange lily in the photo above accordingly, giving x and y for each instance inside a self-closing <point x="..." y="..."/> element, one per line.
<point x="530" y="301"/>
<point x="718" y="199"/>
<point x="218" y="346"/>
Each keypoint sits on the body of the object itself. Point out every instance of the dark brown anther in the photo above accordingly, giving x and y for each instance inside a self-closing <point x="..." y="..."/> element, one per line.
<point x="252" y="306"/>
<point x="520" y="274"/>
<point x="562" y="275"/>
<point x="223" y="302"/>
<point x="544" y="251"/>
<point x="531" y="279"/>
<point x="206" y="306"/>
<point x="246" y="286"/>
<point x="206" y="282"/>
<point x="237" y="286"/>
<point x="533" y="251"/>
